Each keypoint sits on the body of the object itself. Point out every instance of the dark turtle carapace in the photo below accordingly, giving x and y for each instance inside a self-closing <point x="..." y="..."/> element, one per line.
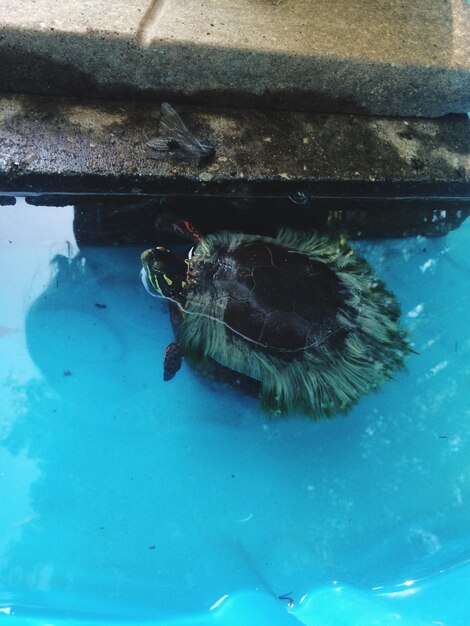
<point x="298" y="315"/>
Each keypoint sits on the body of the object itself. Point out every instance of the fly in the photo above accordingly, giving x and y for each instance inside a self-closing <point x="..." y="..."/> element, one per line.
<point x="177" y="141"/>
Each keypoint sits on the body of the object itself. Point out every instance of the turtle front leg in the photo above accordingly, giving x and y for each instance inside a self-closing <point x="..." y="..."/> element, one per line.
<point x="172" y="360"/>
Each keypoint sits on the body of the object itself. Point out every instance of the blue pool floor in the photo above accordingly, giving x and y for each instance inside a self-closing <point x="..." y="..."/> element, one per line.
<point x="126" y="498"/>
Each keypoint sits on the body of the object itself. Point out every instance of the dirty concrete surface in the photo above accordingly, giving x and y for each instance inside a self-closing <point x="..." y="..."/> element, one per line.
<point x="91" y="143"/>
<point x="394" y="57"/>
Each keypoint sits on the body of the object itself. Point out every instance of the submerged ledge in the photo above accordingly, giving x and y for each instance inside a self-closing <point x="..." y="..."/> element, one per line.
<point x="298" y="164"/>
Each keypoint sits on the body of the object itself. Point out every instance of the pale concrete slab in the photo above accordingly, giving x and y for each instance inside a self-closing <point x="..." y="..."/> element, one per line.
<point x="390" y="57"/>
<point x="393" y="31"/>
<point x="120" y="17"/>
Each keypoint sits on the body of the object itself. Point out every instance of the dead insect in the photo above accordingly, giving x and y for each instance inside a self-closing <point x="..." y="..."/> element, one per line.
<point x="177" y="141"/>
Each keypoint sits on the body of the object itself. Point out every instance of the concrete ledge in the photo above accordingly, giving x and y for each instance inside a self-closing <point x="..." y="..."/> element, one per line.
<point x="399" y="58"/>
<point x="60" y="144"/>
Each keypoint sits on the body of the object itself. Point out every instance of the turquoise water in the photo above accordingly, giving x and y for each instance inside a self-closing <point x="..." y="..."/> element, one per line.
<point x="128" y="499"/>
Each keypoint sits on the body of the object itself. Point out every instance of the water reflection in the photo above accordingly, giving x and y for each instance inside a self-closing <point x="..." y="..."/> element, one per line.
<point x="167" y="497"/>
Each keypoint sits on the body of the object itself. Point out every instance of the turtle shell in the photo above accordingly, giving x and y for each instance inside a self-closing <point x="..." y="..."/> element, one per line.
<point x="280" y="300"/>
<point x="299" y="317"/>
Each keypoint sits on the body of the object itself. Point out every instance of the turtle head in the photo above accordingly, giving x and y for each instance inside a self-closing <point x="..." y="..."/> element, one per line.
<point x="164" y="273"/>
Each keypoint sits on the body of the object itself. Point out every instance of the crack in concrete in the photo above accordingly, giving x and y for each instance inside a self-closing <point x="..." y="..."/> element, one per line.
<point x="148" y="22"/>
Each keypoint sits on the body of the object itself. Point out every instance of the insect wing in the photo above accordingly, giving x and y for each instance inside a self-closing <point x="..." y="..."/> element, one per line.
<point x="162" y="147"/>
<point x="159" y="143"/>
<point x="172" y="126"/>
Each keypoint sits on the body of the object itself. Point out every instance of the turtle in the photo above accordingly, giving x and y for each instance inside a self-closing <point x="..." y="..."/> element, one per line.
<point x="299" y="316"/>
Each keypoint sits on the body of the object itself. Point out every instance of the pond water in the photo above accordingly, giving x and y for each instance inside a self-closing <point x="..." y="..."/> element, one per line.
<point x="127" y="498"/>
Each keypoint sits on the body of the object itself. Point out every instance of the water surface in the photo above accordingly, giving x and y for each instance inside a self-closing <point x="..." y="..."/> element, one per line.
<point x="126" y="496"/>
